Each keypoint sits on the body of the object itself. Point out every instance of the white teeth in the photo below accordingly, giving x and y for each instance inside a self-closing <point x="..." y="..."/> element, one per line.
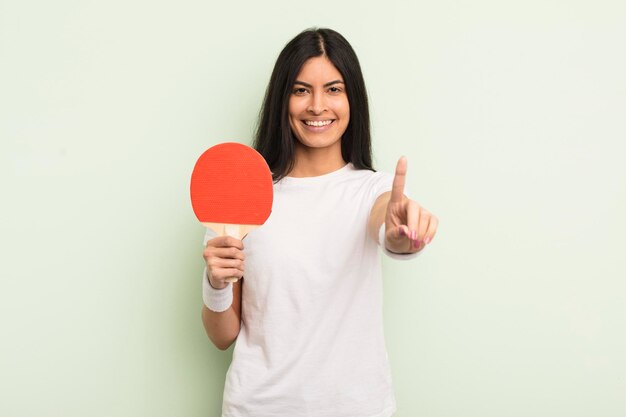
<point x="316" y="123"/>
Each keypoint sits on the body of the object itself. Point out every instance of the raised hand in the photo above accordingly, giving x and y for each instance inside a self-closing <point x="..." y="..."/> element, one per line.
<point x="408" y="226"/>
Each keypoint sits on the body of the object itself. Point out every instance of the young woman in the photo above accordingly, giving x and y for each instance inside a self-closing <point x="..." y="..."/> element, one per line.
<point x="308" y="316"/>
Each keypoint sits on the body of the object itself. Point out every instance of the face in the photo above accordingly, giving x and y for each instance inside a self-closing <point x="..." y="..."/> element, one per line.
<point x="319" y="111"/>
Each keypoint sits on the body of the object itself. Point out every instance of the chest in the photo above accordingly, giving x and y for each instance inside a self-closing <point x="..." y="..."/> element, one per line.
<point x="313" y="236"/>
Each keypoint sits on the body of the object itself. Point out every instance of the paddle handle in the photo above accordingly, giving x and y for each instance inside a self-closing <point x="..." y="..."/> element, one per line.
<point x="238" y="231"/>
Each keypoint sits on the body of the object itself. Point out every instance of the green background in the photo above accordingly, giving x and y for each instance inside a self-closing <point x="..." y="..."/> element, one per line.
<point x="511" y="115"/>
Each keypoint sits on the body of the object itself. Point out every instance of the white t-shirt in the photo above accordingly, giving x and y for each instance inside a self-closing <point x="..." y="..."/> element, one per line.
<point x="311" y="342"/>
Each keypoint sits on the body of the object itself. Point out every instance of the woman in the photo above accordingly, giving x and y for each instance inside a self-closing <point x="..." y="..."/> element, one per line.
<point x="308" y="315"/>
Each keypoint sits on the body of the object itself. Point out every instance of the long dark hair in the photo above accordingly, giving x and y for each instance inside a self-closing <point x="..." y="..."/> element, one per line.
<point x="274" y="138"/>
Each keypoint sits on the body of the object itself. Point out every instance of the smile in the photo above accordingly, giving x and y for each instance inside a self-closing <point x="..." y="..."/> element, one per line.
<point x="317" y="123"/>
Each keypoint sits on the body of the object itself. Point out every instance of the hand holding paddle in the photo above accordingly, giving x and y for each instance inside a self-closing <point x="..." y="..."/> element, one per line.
<point x="231" y="193"/>
<point x="224" y="260"/>
<point x="408" y="226"/>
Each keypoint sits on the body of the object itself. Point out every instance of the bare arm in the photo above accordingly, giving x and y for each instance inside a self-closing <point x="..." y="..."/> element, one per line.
<point x="377" y="215"/>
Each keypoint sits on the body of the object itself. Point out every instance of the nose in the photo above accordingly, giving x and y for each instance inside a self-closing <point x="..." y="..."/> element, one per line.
<point x="317" y="104"/>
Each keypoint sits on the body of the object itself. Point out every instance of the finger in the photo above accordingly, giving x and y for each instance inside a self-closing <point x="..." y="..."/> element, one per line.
<point x="224" y="253"/>
<point x="215" y="282"/>
<point x="412" y="219"/>
<point x="432" y="229"/>
<point x="225" y="241"/>
<point x="403" y="230"/>
<point x="397" y="188"/>
<point x="222" y="273"/>
<point x="425" y="217"/>
<point x="397" y="232"/>
<point x="215" y="263"/>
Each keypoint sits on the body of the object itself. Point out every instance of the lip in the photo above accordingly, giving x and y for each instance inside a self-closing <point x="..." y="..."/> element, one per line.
<point x="318" y="129"/>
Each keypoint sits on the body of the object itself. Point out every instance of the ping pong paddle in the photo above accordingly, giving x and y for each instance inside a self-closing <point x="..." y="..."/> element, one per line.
<point x="231" y="190"/>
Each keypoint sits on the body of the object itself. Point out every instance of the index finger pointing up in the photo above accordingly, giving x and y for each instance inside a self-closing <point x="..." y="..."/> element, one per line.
<point x="397" y="189"/>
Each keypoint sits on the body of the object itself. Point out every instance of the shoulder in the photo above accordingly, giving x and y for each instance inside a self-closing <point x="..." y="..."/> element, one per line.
<point x="379" y="181"/>
<point x="368" y="175"/>
<point x="372" y="183"/>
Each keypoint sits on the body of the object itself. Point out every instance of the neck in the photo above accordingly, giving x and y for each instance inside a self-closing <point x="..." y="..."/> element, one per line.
<point x="313" y="162"/>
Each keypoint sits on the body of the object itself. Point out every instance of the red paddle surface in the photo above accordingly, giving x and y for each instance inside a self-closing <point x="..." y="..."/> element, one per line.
<point x="231" y="183"/>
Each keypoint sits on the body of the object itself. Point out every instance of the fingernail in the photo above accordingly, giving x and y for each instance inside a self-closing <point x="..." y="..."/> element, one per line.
<point x="426" y="240"/>
<point x="413" y="235"/>
<point x="402" y="232"/>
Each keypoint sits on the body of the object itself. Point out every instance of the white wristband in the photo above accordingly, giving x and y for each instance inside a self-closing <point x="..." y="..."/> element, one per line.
<point x="216" y="300"/>
<point x="403" y="256"/>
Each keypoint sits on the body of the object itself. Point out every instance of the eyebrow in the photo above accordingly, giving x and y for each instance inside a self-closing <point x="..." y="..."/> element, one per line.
<point x="328" y="84"/>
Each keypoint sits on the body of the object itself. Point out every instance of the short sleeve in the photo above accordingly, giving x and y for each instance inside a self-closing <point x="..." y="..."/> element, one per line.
<point x="381" y="183"/>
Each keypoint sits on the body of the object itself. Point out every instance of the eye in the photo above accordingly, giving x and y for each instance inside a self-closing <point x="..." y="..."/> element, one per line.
<point x="299" y="91"/>
<point x="335" y="90"/>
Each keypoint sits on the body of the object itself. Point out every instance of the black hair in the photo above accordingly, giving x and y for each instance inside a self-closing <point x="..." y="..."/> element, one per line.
<point x="274" y="138"/>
